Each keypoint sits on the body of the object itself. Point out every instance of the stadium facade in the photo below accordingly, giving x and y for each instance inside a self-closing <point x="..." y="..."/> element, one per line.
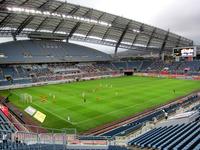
<point x="49" y="57"/>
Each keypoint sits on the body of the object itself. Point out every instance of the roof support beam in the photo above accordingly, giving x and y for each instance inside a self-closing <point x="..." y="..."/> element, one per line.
<point x="73" y="30"/>
<point x="3" y="1"/>
<point x="106" y="33"/>
<point x="44" y="4"/>
<point x="24" y="2"/>
<point x="61" y="22"/>
<point x="192" y="43"/>
<point x="99" y="18"/>
<point x="89" y="31"/>
<point x="136" y="36"/>
<point x="73" y="11"/>
<point x="121" y="38"/>
<point x="9" y="17"/>
<point x="58" y="26"/>
<point x="3" y="5"/>
<point x="178" y="42"/>
<point x="23" y="24"/>
<point x="44" y="21"/>
<point x="14" y="37"/>
<point x="6" y="20"/>
<point x="150" y="38"/>
<point x="41" y="24"/>
<point x="163" y="44"/>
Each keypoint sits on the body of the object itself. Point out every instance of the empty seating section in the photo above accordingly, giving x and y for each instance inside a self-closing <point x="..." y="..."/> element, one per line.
<point x="135" y="125"/>
<point x="134" y="65"/>
<point x="1" y="74"/>
<point x="173" y="67"/>
<point x="130" y="130"/>
<point x="156" y="66"/>
<point x="9" y="71"/>
<point x="191" y="99"/>
<point x="35" y="51"/>
<point x="197" y="107"/>
<point x="145" y="65"/>
<point x="105" y="66"/>
<point x="4" y="83"/>
<point x="176" y="137"/>
<point x="120" y="65"/>
<point x="184" y="136"/>
<point x="22" y="74"/>
<point x="190" y="68"/>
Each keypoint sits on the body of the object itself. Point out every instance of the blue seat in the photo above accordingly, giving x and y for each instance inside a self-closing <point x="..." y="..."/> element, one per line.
<point x="193" y="143"/>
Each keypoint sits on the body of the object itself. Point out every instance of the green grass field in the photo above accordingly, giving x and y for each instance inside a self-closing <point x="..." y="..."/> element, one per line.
<point x="107" y="100"/>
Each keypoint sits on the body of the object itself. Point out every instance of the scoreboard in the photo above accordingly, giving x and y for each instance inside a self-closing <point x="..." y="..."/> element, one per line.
<point x="184" y="52"/>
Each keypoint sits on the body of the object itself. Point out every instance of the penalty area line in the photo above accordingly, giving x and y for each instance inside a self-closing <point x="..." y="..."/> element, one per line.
<point x="54" y="114"/>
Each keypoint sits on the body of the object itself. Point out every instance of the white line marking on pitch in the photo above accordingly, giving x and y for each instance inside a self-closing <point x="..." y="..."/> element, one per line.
<point x="73" y="123"/>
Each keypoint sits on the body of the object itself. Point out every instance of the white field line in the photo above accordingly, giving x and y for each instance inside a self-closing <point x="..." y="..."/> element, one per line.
<point x="50" y="112"/>
<point x="54" y="114"/>
<point x="99" y="116"/>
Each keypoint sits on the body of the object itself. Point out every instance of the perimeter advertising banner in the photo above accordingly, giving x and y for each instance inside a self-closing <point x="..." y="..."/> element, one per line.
<point x="177" y="76"/>
<point x="4" y="109"/>
<point x="30" y="110"/>
<point x="40" y="116"/>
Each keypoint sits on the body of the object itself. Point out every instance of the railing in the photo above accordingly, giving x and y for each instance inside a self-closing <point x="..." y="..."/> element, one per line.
<point x="47" y="137"/>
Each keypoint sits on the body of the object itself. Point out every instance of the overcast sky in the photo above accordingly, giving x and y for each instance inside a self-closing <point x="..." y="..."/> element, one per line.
<point x="180" y="16"/>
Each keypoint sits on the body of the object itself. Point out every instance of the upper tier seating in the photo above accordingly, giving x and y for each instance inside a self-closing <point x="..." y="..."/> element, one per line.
<point x="35" y="51"/>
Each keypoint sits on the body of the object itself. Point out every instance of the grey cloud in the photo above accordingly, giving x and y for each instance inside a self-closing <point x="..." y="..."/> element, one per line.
<point x="183" y="18"/>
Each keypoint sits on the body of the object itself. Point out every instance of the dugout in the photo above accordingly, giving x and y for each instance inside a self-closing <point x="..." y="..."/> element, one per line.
<point x="128" y="72"/>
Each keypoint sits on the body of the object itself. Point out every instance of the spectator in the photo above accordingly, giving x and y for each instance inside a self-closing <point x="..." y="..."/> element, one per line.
<point x="5" y="140"/>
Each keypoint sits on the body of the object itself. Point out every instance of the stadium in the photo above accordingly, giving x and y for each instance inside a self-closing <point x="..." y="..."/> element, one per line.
<point x="58" y="94"/>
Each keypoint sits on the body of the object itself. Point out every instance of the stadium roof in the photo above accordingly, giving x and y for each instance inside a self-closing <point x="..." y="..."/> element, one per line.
<point x="61" y="20"/>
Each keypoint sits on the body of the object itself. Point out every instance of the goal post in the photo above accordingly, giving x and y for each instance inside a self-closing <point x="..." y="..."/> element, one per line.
<point x="26" y="98"/>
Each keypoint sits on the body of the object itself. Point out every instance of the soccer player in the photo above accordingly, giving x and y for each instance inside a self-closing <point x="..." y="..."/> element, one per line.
<point x="83" y="96"/>
<point x="174" y="91"/>
<point x="68" y="118"/>
<point x="54" y="98"/>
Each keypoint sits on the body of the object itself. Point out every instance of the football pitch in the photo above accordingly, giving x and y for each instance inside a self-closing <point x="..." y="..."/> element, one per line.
<point x="88" y="104"/>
